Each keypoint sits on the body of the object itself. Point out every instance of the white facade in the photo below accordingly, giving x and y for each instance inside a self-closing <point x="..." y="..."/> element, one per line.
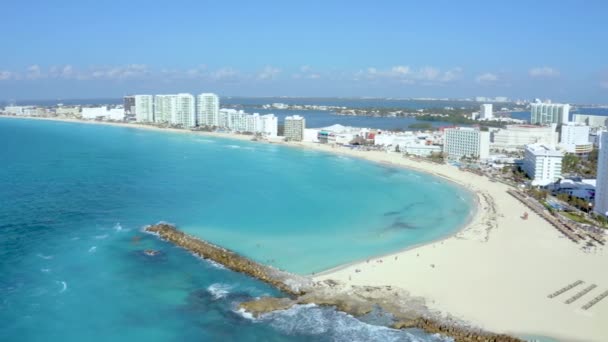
<point x="466" y="142"/>
<point x="269" y="124"/>
<point x="185" y="111"/>
<point x="485" y="112"/>
<point x="294" y="128"/>
<point x="311" y="135"/>
<point x="548" y="113"/>
<point x="104" y="113"/>
<point x="591" y="120"/>
<point x="144" y="108"/>
<point x="208" y="109"/>
<point x="421" y="150"/>
<point x="601" y="186"/>
<point x="116" y="114"/>
<point x="575" y="138"/>
<point x="542" y="163"/>
<point x="239" y="121"/>
<point x="518" y="136"/>
<point x="165" y="108"/>
<point x="20" y="110"/>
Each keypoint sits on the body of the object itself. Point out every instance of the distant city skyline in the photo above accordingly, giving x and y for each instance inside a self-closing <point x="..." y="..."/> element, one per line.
<point x="437" y="49"/>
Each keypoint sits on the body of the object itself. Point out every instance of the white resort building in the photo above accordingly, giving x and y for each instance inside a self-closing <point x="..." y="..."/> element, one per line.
<point x="144" y="108"/>
<point x="518" y="136"/>
<point x="596" y="121"/>
<point x="542" y="163"/>
<point x="208" y="109"/>
<point x="294" y="128"/>
<point x="548" y="113"/>
<point x="601" y="186"/>
<point x="574" y="138"/>
<point x="466" y="142"/>
<point x="485" y="112"/>
<point x="185" y="113"/>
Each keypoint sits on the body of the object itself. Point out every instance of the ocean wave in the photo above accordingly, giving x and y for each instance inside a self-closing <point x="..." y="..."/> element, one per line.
<point x="64" y="286"/>
<point x="92" y="249"/>
<point x="101" y="237"/>
<point x="241" y="312"/>
<point x="219" y="290"/>
<point x="117" y="227"/>
<point x="45" y="270"/>
<point x="337" y="326"/>
<point x="46" y="257"/>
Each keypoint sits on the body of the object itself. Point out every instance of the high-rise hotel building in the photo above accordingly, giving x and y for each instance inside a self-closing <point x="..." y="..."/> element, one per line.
<point x="144" y="108"/>
<point x="207" y="109"/>
<point x="466" y="142"/>
<point x="294" y="128"/>
<point x="601" y="185"/>
<point x="549" y="113"/>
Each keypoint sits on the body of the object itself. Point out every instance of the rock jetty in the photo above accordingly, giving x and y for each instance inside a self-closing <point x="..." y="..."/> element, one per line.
<point x="289" y="283"/>
<point x="407" y="311"/>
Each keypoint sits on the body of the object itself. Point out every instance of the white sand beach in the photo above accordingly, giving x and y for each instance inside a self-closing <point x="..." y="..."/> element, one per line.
<point x="500" y="284"/>
<point x="496" y="273"/>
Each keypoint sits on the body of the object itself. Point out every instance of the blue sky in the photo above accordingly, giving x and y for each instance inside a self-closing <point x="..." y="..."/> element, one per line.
<point x="95" y="49"/>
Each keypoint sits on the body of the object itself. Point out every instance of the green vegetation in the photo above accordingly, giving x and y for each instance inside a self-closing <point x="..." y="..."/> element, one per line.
<point x="437" y="157"/>
<point x="538" y="194"/>
<point x="584" y="166"/>
<point x="421" y="126"/>
<point x="459" y="120"/>
<point x="576" y="218"/>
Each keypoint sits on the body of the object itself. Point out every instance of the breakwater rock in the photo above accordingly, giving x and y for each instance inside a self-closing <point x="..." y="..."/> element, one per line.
<point x="407" y="311"/>
<point x="289" y="283"/>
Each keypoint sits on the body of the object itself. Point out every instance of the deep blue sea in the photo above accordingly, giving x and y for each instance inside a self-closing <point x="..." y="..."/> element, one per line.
<point x="74" y="197"/>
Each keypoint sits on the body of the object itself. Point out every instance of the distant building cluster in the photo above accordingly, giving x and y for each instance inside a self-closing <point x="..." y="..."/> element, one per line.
<point x="186" y="110"/>
<point x="550" y="134"/>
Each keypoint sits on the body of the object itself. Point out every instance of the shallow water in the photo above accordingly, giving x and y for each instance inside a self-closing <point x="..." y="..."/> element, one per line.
<point x="74" y="198"/>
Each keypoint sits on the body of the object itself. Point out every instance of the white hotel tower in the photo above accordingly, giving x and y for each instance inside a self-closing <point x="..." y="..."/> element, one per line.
<point x="207" y="109"/>
<point x="185" y="111"/>
<point x="601" y="186"/>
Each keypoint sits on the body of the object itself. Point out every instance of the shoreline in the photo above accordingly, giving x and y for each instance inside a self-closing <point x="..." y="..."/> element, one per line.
<point x="494" y="273"/>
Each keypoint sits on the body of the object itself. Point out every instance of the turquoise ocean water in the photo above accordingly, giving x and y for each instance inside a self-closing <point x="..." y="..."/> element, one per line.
<point x="73" y="198"/>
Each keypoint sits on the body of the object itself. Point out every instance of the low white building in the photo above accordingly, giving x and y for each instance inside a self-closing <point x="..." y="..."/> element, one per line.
<point x="21" y="110"/>
<point x="95" y="113"/>
<point x="518" y="136"/>
<point x="103" y="113"/>
<point x="421" y="149"/>
<point x="311" y="135"/>
<point x="574" y="138"/>
<point x="591" y="120"/>
<point x="542" y="163"/>
<point x="466" y="142"/>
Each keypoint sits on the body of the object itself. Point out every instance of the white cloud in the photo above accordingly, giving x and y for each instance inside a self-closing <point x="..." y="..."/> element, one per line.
<point x="545" y="72"/>
<point x="34" y="72"/>
<point x="406" y="74"/>
<point x="224" y="74"/>
<point x="268" y="73"/>
<point x="487" y="78"/>
<point x="6" y="75"/>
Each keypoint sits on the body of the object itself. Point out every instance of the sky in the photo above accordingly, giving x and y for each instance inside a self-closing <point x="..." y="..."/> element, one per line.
<point x="102" y="49"/>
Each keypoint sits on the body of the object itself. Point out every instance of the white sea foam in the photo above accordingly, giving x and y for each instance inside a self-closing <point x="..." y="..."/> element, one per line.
<point x="45" y="270"/>
<point x="75" y="238"/>
<point x="219" y="290"/>
<point x="247" y="315"/>
<point x="233" y="146"/>
<point x="337" y="326"/>
<point x="92" y="249"/>
<point x="46" y="257"/>
<point x="64" y="286"/>
<point x="117" y="227"/>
